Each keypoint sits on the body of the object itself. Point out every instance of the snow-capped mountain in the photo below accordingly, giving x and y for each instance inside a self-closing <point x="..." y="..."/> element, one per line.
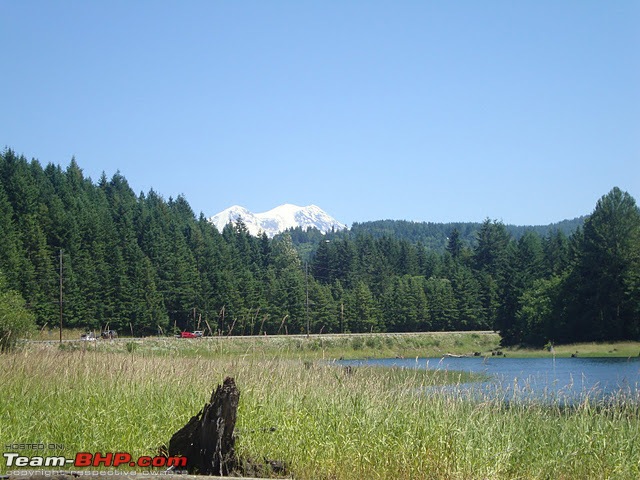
<point x="278" y="219"/>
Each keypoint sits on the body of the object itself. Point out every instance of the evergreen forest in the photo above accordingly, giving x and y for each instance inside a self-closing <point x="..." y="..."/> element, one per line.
<point x="105" y="257"/>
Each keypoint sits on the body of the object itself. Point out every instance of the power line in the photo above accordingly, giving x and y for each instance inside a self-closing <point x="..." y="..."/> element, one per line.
<point x="61" y="295"/>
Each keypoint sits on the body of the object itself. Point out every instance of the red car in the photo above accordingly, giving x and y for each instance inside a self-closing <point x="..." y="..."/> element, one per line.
<point x="187" y="335"/>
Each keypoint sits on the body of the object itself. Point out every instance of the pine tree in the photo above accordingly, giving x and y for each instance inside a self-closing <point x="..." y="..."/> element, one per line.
<point x="603" y="280"/>
<point x="454" y="244"/>
<point x="10" y="252"/>
<point x="321" y="263"/>
<point x="322" y="308"/>
<point x="525" y="266"/>
<point x="362" y="310"/>
<point x="491" y="261"/>
<point x="466" y="290"/>
<point x="441" y="303"/>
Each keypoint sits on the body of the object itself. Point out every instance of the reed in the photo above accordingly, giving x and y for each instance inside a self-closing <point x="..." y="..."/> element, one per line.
<point x="324" y="421"/>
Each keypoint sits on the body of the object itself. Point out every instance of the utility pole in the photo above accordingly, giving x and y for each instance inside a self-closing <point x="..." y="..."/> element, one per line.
<point x="61" y="295"/>
<point x="306" y="277"/>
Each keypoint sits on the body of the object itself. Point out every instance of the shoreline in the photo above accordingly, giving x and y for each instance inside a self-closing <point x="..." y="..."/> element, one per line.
<point x="345" y="345"/>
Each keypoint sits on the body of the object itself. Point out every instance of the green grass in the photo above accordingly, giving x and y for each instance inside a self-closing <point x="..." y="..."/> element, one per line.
<point x="53" y="334"/>
<point x="435" y="344"/>
<point x="324" y="422"/>
<point x="593" y="349"/>
<point x="354" y="346"/>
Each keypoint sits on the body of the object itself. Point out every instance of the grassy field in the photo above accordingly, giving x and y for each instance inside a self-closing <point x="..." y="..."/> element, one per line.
<point x="388" y="345"/>
<point x="131" y="396"/>
<point x="313" y="347"/>
<point x="48" y="334"/>
<point x="603" y="349"/>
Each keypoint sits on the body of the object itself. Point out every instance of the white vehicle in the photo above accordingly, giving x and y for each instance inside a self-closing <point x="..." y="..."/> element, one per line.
<point x="198" y="333"/>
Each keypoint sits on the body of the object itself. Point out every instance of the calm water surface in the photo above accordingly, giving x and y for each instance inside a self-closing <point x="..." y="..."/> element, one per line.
<point x="563" y="379"/>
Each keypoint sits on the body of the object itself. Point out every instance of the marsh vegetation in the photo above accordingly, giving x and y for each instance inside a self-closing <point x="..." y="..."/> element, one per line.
<point x="323" y="421"/>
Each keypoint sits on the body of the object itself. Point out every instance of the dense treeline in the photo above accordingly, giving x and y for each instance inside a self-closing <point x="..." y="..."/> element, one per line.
<point x="434" y="236"/>
<point x="141" y="263"/>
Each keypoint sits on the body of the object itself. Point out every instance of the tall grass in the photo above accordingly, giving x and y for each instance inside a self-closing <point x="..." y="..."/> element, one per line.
<point x="313" y="347"/>
<point x="322" y="420"/>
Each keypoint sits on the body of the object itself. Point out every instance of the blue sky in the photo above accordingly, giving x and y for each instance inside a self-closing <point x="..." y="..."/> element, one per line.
<point x="521" y="111"/>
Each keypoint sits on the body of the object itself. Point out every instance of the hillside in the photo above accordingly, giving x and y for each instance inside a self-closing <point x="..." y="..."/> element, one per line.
<point x="143" y="265"/>
<point x="433" y="236"/>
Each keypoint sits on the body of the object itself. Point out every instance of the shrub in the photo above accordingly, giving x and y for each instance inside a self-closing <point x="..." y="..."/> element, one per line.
<point x="373" y="342"/>
<point x="357" y="343"/>
<point x="15" y="320"/>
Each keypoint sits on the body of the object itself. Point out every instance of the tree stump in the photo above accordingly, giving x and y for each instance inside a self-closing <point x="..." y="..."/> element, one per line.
<point x="207" y="440"/>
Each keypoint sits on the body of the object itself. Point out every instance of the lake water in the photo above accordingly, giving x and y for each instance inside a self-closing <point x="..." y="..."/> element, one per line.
<point x="566" y="380"/>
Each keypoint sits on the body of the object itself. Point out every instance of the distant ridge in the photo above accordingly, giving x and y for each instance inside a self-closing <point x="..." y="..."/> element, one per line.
<point x="278" y="219"/>
<point x="434" y="235"/>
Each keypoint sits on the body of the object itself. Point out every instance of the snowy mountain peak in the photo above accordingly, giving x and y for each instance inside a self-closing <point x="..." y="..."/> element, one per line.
<point x="235" y="211"/>
<point x="278" y="219"/>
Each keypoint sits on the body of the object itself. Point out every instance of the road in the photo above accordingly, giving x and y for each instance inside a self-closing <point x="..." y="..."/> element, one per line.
<point x="300" y="336"/>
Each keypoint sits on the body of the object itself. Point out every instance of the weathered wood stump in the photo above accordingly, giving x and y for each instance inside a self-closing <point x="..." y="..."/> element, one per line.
<point x="207" y="440"/>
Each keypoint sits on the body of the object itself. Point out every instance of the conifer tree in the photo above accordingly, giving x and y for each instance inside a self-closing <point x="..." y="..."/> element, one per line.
<point x="603" y="279"/>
